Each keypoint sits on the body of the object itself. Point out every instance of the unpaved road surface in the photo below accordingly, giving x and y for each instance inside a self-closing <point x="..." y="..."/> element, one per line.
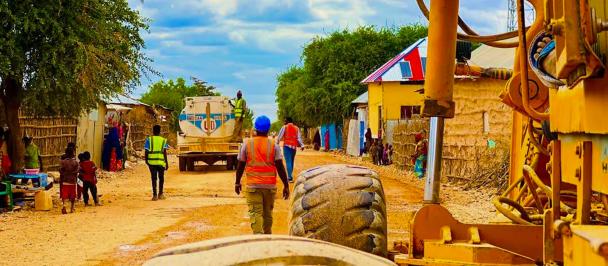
<point x="201" y="205"/>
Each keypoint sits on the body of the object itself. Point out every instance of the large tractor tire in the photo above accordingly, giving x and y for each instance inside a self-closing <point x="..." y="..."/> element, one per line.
<point x="342" y="204"/>
<point x="264" y="250"/>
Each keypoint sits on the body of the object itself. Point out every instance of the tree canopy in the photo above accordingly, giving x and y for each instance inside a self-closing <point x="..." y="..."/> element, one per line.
<point x="62" y="57"/>
<point x="321" y="90"/>
<point x="171" y="94"/>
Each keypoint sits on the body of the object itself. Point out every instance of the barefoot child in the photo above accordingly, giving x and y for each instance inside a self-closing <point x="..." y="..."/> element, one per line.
<point x="89" y="178"/>
<point x="68" y="178"/>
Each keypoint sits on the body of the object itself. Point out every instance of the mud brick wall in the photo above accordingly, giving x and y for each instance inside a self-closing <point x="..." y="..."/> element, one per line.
<point x="469" y="151"/>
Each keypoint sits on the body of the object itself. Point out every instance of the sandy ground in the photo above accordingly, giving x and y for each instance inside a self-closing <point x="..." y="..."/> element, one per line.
<point x="130" y="228"/>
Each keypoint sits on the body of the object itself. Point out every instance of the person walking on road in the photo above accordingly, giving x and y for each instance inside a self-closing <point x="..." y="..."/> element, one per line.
<point x="156" y="159"/>
<point x="292" y="140"/>
<point x="239" y="108"/>
<point x="260" y="159"/>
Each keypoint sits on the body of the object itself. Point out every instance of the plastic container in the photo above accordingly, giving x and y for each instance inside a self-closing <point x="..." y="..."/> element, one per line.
<point x="43" y="200"/>
<point x="32" y="171"/>
<point x="44" y="179"/>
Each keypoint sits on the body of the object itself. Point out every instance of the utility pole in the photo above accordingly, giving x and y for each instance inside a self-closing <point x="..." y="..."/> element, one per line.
<point x="512" y="15"/>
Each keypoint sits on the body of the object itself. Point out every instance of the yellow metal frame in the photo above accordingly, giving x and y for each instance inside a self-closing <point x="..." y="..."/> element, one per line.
<point x="578" y="158"/>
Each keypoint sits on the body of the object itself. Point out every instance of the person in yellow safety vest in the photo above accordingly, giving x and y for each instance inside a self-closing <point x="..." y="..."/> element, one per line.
<point x="239" y="108"/>
<point x="260" y="159"/>
<point x="156" y="159"/>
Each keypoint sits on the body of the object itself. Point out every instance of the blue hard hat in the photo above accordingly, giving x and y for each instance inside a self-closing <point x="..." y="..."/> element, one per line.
<point x="262" y="124"/>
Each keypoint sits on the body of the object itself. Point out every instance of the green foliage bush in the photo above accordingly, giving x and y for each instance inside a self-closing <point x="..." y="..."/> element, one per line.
<point x="322" y="88"/>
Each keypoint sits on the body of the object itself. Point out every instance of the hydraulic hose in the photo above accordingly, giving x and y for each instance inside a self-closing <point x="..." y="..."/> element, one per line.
<point x="523" y="64"/>
<point x="523" y="217"/>
<point x="533" y="139"/>
<point x="472" y="36"/>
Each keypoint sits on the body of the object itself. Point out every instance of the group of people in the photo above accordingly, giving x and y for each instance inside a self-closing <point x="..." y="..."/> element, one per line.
<point x="381" y="153"/>
<point x="113" y="156"/>
<point x="77" y="177"/>
<point x="32" y="158"/>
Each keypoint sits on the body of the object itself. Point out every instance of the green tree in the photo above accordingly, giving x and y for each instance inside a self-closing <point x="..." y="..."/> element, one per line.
<point x="276" y="126"/>
<point x="321" y="90"/>
<point x="248" y="119"/>
<point x="63" y="57"/>
<point x="171" y="94"/>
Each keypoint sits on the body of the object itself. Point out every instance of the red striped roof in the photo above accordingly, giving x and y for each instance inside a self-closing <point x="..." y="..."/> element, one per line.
<point x="377" y="75"/>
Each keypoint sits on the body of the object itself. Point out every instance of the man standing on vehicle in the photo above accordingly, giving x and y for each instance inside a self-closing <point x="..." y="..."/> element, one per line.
<point x="239" y="108"/>
<point x="260" y="159"/>
<point x="292" y="140"/>
<point x="156" y="159"/>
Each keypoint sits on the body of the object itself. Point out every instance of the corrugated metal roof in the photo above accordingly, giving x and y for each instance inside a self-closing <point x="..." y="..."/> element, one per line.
<point x="378" y="73"/>
<point x="124" y="99"/>
<point x="488" y="56"/>
<point x="363" y="98"/>
<point x="117" y="107"/>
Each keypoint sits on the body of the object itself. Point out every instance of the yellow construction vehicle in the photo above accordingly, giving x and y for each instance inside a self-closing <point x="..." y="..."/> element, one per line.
<point x="557" y="199"/>
<point x="559" y="152"/>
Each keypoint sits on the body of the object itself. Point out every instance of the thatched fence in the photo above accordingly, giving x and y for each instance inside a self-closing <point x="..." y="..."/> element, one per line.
<point x="51" y="135"/>
<point x="404" y="141"/>
<point x="141" y="121"/>
<point x="472" y="163"/>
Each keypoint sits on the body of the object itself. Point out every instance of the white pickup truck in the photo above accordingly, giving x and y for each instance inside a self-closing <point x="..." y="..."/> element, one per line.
<point x="206" y="128"/>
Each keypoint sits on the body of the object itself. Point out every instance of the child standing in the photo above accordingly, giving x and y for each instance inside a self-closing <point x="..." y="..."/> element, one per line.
<point x="373" y="151"/>
<point x="380" y="151"/>
<point x="385" y="160"/>
<point x="68" y="178"/>
<point x="79" y="183"/>
<point x="89" y="179"/>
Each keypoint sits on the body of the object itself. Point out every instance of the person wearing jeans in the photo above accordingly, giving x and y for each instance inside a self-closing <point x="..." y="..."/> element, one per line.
<point x="261" y="161"/>
<point x="156" y="159"/>
<point x="292" y="140"/>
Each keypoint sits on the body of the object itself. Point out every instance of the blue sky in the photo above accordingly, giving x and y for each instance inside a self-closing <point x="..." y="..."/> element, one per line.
<point x="245" y="44"/>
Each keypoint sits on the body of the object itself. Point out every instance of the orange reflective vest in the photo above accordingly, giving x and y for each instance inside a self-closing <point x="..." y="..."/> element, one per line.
<point x="260" y="169"/>
<point x="290" y="136"/>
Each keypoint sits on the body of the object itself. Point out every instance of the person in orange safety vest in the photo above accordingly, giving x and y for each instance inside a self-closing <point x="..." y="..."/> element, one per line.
<point x="292" y="140"/>
<point x="260" y="159"/>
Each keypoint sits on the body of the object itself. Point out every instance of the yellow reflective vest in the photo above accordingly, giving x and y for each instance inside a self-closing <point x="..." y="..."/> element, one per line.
<point x="239" y="109"/>
<point x="155" y="154"/>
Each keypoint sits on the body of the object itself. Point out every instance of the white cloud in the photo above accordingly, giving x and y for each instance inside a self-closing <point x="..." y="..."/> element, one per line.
<point x="220" y="7"/>
<point x="144" y="10"/>
<point x="342" y="13"/>
<point x="276" y="29"/>
<point x="256" y="73"/>
<point x="267" y="109"/>
<point x="485" y="21"/>
<point x="274" y="39"/>
<point x="216" y="7"/>
<point x="189" y="49"/>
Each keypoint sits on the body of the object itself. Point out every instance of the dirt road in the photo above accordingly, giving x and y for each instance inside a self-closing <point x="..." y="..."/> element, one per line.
<point x="201" y="205"/>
